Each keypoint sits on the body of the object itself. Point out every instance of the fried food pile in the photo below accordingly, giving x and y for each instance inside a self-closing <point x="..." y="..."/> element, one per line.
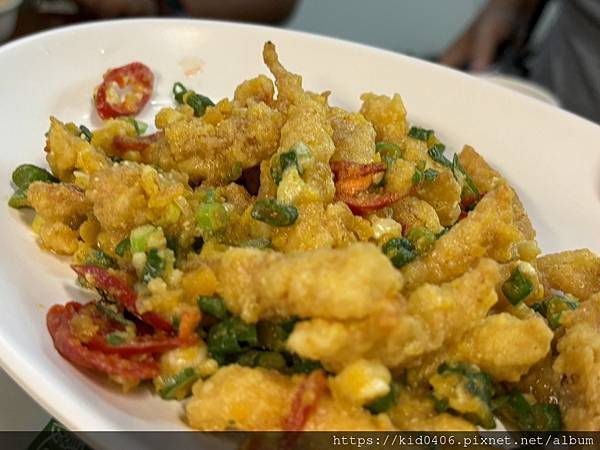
<point x="285" y="264"/>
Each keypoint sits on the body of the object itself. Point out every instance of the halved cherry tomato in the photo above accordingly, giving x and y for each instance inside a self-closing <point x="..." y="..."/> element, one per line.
<point x="137" y="82"/>
<point x="71" y="348"/>
<point x="120" y="291"/>
<point x="349" y="169"/>
<point x="140" y="345"/>
<point x="366" y="203"/>
<point x="305" y="401"/>
<point x="137" y="144"/>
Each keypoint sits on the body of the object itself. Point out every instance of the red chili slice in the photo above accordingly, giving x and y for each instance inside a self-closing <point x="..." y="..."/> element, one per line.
<point x="119" y="290"/>
<point x="138" y="82"/>
<point x="366" y="203"/>
<point x="349" y="169"/>
<point x="141" y="345"/>
<point x="71" y="348"/>
<point x="353" y="186"/>
<point x="305" y="401"/>
<point x="136" y="144"/>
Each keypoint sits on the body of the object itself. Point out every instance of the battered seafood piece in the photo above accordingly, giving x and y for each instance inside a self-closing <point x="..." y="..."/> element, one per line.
<point x="487" y="231"/>
<point x="404" y="330"/>
<point x="578" y="363"/>
<point x="289" y="265"/>
<point x="348" y="283"/>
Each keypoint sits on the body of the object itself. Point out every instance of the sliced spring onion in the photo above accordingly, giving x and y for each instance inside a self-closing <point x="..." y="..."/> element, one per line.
<point x="26" y="174"/>
<point x="517" y="287"/>
<point x="211" y="216"/>
<point x="101" y="259"/>
<point x="231" y="336"/>
<point x="178" y="387"/>
<point x="198" y="102"/>
<point x="553" y="308"/>
<point x="140" y="127"/>
<point x="388" y="150"/>
<point x="436" y="152"/>
<point x="274" y="213"/>
<point x="273" y="335"/>
<point x="430" y="175"/>
<point x="115" y="339"/>
<point x="400" y="251"/>
<point x="122" y="247"/>
<point x="86" y="133"/>
<point x="421" y="238"/>
<point x="386" y="402"/>
<point x="154" y="267"/>
<point x="19" y="200"/>
<point x="421" y="134"/>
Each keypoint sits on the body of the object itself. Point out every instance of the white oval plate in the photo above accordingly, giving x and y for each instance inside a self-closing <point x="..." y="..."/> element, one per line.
<point x="550" y="156"/>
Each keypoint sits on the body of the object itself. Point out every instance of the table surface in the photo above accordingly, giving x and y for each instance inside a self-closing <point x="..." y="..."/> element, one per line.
<point x="19" y="412"/>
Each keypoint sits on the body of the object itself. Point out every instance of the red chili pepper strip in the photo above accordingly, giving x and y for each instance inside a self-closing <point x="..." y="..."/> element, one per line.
<point x="353" y="186"/>
<point x="125" y="143"/>
<point x="305" y="401"/>
<point x="71" y="348"/>
<point x="364" y="204"/>
<point x="119" y="290"/>
<point x="138" y="82"/>
<point x="141" y="345"/>
<point x="349" y="169"/>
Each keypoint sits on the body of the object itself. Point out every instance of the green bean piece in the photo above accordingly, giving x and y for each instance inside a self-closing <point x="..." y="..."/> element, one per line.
<point x="249" y="358"/>
<point x="400" y="251"/>
<point x="271" y="360"/>
<point x="436" y="152"/>
<point x="86" y="133"/>
<point x="122" y="247"/>
<point x="19" y="200"/>
<point x="517" y="287"/>
<point x="155" y="264"/>
<point x="115" y="339"/>
<point x="26" y="174"/>
<point x="178" y="387"/>
<point x="547" y="417"/>
<point x="213" y="306"/>
<point x="386" y="402"/>
<point x="274" y="213"/>
<point x="421" y="134"/>
<point x="421" y="238"/>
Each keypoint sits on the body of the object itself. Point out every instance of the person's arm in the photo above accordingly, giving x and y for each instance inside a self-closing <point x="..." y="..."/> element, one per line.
<point x="266" y="11"/>
<point x="498" y="23"/>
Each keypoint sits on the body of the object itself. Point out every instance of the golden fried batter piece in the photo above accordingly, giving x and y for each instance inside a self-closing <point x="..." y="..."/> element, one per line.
<point x="576" y="272"/>
<point x="317" y="226"/>
<point x="487" y="179"/>
<point x="443" y="194"/>
<point x="341" y="283"/>
<point x="491" y="345"/>
<point x="255" y="90"/>
<point x="401" y="331"/>
<point x="412" y="212"/>
<point x="307" y="121"/>
<point x="60" y="209"/>
<point x="578" y="363"/>
<point x="67" y="153"/>
<point x="218" y="152"/>
<point x="353" y="136"/>
<point x="387" y="115"/>
<point x="241" y="398"/>
<point x="129" y="195"/>
<point x="255" y="399"/>
<point x="488" y="230"/>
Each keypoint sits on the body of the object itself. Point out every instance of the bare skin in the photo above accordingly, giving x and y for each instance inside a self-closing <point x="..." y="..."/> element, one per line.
<point x="497" y="24"/>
